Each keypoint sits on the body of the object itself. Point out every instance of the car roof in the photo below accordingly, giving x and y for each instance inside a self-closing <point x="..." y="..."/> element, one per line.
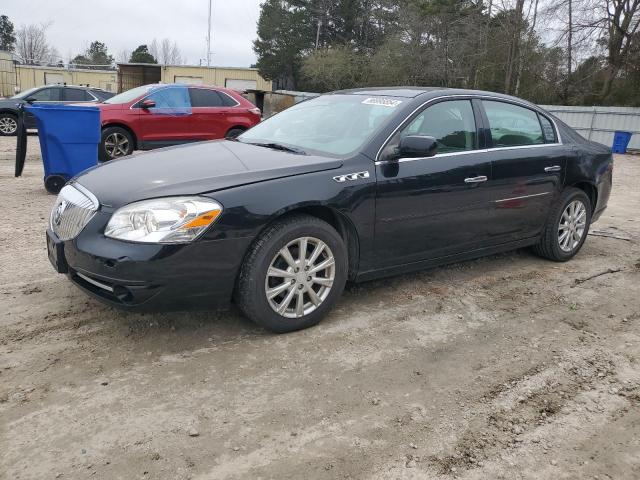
<point x="57" y="85"/>
<point x="414" y="92"/>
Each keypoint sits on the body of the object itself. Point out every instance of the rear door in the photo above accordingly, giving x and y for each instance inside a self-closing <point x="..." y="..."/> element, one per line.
<point x="528" y="164"/>
<point x="169" y="121"/>
<point x="210" y="111"/>
<point x="437" y="206"/>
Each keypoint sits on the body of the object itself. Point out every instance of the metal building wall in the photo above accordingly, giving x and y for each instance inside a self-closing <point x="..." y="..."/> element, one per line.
<point x="215" y="76"/>
<point x="600" y="123"/>
<point x="7" y="75"/>
<point x="30" y="76"/>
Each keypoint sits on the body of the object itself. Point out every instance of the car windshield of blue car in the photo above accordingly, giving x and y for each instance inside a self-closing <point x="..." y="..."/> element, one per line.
<point x="335" y="125"/>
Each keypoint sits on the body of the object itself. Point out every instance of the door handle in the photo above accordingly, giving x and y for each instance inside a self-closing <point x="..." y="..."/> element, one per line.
<point x="555" y="168"/>
<point x="479" y="179"/>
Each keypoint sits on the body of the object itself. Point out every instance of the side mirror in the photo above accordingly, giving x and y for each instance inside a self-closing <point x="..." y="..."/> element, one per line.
<point x="417" y="146"/>
<point x="147" y="104"/>
<point x="30" y="100"/>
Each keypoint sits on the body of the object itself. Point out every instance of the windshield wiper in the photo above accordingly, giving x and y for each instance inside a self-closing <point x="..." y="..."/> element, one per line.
<point x="278" y="146"/>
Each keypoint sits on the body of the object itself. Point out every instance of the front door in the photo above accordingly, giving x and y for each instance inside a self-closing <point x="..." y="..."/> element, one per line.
<point x="46" y="95"/>
<point x="437" y="206"/>
<point x="169" y="121"/>
<point x="528" y="165"/>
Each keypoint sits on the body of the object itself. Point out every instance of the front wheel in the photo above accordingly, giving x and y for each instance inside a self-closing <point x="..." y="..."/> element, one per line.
<point x="8" y="124"/>
<point x="293" y="274"/>
<point x="567" y="226"/>
<point x="116" y="142"/>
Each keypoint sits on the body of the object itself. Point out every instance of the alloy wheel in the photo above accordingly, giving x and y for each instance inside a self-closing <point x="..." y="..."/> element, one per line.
<point x="8" y="125"/>
<point x="572" y="226"/>
<point x="300" y="277"/>
<point x="116" y="145"/>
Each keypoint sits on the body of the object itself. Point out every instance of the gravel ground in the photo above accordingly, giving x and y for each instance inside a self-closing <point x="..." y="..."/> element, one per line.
<point x="506" y="367"/>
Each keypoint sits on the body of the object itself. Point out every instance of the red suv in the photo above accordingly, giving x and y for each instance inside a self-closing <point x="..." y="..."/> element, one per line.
<point x="159" y="115"/>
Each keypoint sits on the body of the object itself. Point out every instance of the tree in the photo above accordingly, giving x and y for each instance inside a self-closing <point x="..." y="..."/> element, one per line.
<point x="96" y="56"/>
<point x="285" y="35"/>
<point x="142" y="55"/>
<point x="7" y="34"/>
<point x="32" y="46"/>
<point x="167" y="52"/>
<point x="622" y="21"/>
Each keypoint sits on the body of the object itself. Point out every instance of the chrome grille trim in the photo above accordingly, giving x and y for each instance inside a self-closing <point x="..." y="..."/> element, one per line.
<point x="73" y="209"/>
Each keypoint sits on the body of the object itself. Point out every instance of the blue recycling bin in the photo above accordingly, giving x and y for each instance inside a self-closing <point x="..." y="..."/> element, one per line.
<point x="69" y="138"/>
<point x="621" y="142"/>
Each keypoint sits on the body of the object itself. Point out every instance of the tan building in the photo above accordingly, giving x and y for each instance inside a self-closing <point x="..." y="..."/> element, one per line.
<point x="18" y="78"/>
<point x="8" y="77"/>
<point x="135" y="74"/>
<point x="30" y="76"/>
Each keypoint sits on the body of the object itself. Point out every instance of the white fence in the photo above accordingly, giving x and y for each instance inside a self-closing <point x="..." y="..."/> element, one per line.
<point x="600" y="123"/>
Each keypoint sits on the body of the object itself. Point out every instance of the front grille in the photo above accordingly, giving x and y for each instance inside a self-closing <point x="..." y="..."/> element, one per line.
<point x="73" y="209"/>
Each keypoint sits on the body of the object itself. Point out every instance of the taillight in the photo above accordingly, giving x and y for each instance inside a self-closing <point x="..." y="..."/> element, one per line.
<point x="255" y="111"/>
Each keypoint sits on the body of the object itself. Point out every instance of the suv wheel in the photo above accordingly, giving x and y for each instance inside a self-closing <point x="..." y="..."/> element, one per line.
<point x="234" y="132"/>
<point x="8" y="124"/>
<point x="116" y="142"/>
<point x="567" y="227"/>
<point x="293" y="274"/>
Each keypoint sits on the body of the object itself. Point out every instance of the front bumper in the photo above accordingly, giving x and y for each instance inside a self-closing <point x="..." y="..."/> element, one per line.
<point x="148" y="277"/>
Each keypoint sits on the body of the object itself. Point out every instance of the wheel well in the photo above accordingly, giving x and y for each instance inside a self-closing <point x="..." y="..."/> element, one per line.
<point x="241" y="127"/>
<point x="128" y="129"/>
<point x="13" y="114"/>
<point x="342" y="225"/>
<point x="590" y="190"/>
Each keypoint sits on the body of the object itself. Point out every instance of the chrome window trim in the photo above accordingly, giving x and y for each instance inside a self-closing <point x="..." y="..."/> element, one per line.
<point x="522" y="197"/>
<point x="466" y="152"/>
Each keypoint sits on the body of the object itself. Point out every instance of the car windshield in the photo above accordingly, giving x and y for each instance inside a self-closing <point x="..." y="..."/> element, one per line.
<point x="331" y="124"/>
<point x="26" y="93"/>
<point x="130" y="95"/>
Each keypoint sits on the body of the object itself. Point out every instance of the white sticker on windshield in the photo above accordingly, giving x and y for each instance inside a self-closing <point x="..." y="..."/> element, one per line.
<point x="385" y="102"/>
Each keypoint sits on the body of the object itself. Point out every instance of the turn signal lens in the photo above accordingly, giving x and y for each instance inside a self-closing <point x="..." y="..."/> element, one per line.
<point x="163" y="220"/>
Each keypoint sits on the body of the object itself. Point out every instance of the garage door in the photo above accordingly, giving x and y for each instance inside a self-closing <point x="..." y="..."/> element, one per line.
<point x="51" y="78"/>
<point x="240" y="84"/>
<point x="188" y="80"/>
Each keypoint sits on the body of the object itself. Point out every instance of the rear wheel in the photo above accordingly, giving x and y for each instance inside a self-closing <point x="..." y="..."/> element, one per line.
<point x="116" y="142"/>
<point x="234" y="132"/>
<point x="567" y="227"/>
<point x="293" y="274"/>
<point x="8" y="124"/>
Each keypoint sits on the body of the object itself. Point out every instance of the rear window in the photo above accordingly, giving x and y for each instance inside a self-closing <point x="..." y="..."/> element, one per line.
<point x="76" y="95"/>
<point x="512" y="125"/>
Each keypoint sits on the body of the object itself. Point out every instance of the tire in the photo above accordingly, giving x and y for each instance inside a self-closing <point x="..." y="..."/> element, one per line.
<point x="550" y="245"/>
<point x="254" y="283"/>
<point x="8" y="124"/>
<point x="234" y="132"/>
<point x="54" y="183"/>
<point x="115" y="142"/>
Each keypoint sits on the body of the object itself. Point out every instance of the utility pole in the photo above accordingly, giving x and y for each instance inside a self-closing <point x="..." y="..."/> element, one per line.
<point x="209" y="37"/>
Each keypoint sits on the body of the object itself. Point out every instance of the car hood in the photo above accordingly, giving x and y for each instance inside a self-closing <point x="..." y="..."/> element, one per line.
<point x="10" y="102"/>
<point x="194" y="169"/>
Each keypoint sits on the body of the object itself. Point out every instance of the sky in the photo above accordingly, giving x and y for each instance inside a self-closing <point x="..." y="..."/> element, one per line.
<point x="125" y="24"/>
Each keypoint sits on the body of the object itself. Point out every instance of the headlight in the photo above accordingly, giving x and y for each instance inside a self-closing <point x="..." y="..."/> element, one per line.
<point x="163" y="220"/>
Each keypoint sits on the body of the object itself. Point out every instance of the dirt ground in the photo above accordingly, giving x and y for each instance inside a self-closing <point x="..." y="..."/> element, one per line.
<point x="508" y="367"/>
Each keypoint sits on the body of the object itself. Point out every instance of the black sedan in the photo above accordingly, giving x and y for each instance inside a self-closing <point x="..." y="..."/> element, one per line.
<point x="350" y="186"/>
<point x="47" y="94"/>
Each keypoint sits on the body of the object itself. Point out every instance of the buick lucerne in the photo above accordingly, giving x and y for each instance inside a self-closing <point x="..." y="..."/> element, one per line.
<point x="350" y="186"/>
